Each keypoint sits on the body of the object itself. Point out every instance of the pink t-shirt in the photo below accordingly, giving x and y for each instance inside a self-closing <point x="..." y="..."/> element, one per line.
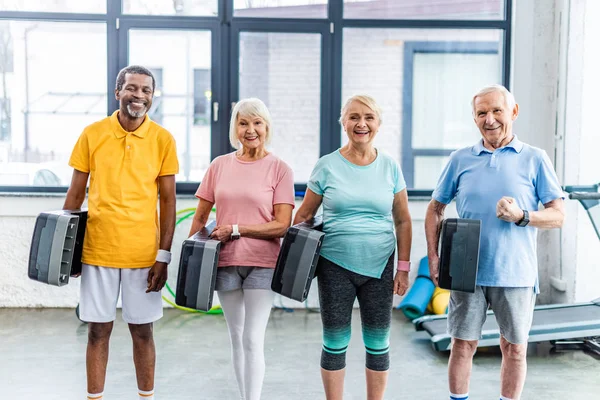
<point x="244" y="193"/>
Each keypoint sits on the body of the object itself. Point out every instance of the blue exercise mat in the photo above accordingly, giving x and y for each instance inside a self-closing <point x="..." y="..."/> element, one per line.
<point x="414" y="304"/>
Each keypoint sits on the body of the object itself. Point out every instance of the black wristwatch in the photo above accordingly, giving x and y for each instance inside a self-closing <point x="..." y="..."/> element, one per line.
<point x="525" y="220"/>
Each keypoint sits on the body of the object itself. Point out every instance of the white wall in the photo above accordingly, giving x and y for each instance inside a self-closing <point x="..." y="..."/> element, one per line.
<point x="583" y="161"/>
<point x="534" y="84"/>
<point x="555" y="82"/>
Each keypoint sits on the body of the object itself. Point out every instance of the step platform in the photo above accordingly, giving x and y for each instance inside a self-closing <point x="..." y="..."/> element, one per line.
<point x="298" y="258"/>
<point x="459" y="254"/>
<point x="198" y="270"/>
<point x="56" y="246"/>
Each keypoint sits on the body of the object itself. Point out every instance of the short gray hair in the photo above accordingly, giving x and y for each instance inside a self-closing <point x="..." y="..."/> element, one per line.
<point x="251" y="107"/>
<point x="133" y="69"/>
<point x="509" y="98"/>
<point x="363" y="99"/>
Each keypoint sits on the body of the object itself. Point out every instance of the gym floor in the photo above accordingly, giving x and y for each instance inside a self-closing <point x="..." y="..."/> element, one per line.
<point x="42" y="356"/>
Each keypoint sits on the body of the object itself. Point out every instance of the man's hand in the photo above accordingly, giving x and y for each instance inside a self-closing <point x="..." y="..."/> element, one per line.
<point x="508" y="210"/>
<point x="401" y="283"/>
<point x="434" y="269"/>
<point x="157" y="277"/>
<point x="222" y="233"/>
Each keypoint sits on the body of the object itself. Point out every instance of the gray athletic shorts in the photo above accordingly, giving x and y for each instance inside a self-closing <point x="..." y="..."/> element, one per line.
<point x="513" y="308"/>
<point x="233" y="278"/>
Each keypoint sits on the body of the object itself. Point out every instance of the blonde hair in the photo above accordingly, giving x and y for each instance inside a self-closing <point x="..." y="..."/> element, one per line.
<point x="363" y="99"/>
<point x="509" y="98"/>
<point x="251" y="107"/>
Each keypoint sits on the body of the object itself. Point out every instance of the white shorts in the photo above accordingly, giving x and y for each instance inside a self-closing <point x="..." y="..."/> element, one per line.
<point x="100" y="293"/>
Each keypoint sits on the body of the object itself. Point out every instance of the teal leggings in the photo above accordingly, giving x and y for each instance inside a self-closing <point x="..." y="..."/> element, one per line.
<point x="338" y="288"/>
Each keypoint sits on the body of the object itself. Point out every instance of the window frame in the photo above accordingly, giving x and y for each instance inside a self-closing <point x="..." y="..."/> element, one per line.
<point x="312" y="26"/>
<point x="227" y="28"/>
<point x="409" y="153"/>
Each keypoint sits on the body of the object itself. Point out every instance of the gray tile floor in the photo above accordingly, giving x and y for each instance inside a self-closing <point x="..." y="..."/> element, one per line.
<point x="42" y="356"/>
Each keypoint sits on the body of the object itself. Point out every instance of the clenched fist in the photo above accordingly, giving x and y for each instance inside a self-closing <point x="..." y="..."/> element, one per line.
<point x="508" y="210"/>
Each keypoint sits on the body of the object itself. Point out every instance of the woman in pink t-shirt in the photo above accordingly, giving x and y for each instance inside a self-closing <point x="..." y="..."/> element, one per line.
<point x="254" y="194"/>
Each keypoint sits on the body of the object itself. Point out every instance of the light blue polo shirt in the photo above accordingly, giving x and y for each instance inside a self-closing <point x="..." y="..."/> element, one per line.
<point x="357" y="211"/>
<point x="478" y="178"/>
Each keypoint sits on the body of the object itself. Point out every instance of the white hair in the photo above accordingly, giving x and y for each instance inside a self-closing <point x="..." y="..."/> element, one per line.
<point x="509" y="99"/>
<point x="363" y="99"/>
<point x="251" y="107"/>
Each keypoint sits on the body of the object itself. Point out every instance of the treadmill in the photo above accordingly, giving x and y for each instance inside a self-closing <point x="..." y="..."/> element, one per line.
<point x="574" y="325"/>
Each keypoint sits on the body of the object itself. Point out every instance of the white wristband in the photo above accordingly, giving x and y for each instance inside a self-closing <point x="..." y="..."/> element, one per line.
<point x="163" y="256"/>
<point x="235" y="234"/>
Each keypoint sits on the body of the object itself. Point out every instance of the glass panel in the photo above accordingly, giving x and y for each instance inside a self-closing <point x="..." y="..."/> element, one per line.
<point x="447" y="66"/>
<point x="171" y="7"/>
<point x="284" y="71"/>
<point x="280" y="8"/>
<point x="428" y="170"/>
<point x="438" y="80"/>
<point x="63" y="6"/>
<point x="52" y="85"/>
<point x="424" y="9"/>
<point x="177" y="104"/>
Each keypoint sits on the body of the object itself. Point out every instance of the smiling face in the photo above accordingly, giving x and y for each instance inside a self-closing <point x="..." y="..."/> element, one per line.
<point x="135" y="97"/>
<point x="494" y="119"/>
<point x="251" y="132"/>
<point x="361" y="123"/>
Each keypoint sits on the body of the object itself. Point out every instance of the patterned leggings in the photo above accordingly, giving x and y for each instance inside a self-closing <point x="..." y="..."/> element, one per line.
<point x="338" y="288"/>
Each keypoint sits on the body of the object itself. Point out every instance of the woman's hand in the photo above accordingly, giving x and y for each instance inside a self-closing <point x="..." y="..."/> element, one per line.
<point x="401" y="283"/>
<point x="222" y="233"/>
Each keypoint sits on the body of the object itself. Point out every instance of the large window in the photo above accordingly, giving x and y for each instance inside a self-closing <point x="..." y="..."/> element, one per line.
<point x="280" y="8"/>
<point x="440" y="80"/>
<point x="48" y="96"/>
<point x="6" y="69"/>
<point x="170" y="7"/>
<point x="202" y="96"/>
<point x="424" y="81"/>
<point x="284" y="70"/>
<point x="156" y="111"/>
<point x="424" y="9"/>
<point x="421" y="60"/>
<point x="63" y="6"/>
<point x="5" y="118"/>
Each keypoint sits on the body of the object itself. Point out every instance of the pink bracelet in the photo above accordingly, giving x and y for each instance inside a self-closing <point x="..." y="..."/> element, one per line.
<point x="403" y="266"/>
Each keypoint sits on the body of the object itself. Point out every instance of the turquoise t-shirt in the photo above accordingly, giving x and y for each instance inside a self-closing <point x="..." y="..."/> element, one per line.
<point x="357" y="211"/>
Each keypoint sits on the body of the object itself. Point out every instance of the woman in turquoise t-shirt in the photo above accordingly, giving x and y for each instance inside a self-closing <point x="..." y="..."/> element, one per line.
<point x="364" y="198"/>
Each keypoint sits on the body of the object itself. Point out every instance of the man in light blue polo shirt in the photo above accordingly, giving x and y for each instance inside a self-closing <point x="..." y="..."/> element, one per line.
<point x="500" y="181"/>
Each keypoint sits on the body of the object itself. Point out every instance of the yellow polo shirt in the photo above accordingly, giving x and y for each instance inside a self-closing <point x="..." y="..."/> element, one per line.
<point x="123" y="226"/>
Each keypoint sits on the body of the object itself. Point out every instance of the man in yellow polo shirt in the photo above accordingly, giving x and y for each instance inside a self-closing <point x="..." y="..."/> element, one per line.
<point x="129" y="160"/>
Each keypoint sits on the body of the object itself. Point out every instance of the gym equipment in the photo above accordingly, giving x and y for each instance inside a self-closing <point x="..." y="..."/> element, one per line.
<point x="414" y="304"/>
<point x="182" y="215"/>
<point x="589" y="197"/>
<point x="56" y="246"/>
<point x="297" y="259"/>
<point x="552" y="322"/>
<point x="459" y="254"/>
<point x="198" y="270"/>
<point x="559" y="323"/>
